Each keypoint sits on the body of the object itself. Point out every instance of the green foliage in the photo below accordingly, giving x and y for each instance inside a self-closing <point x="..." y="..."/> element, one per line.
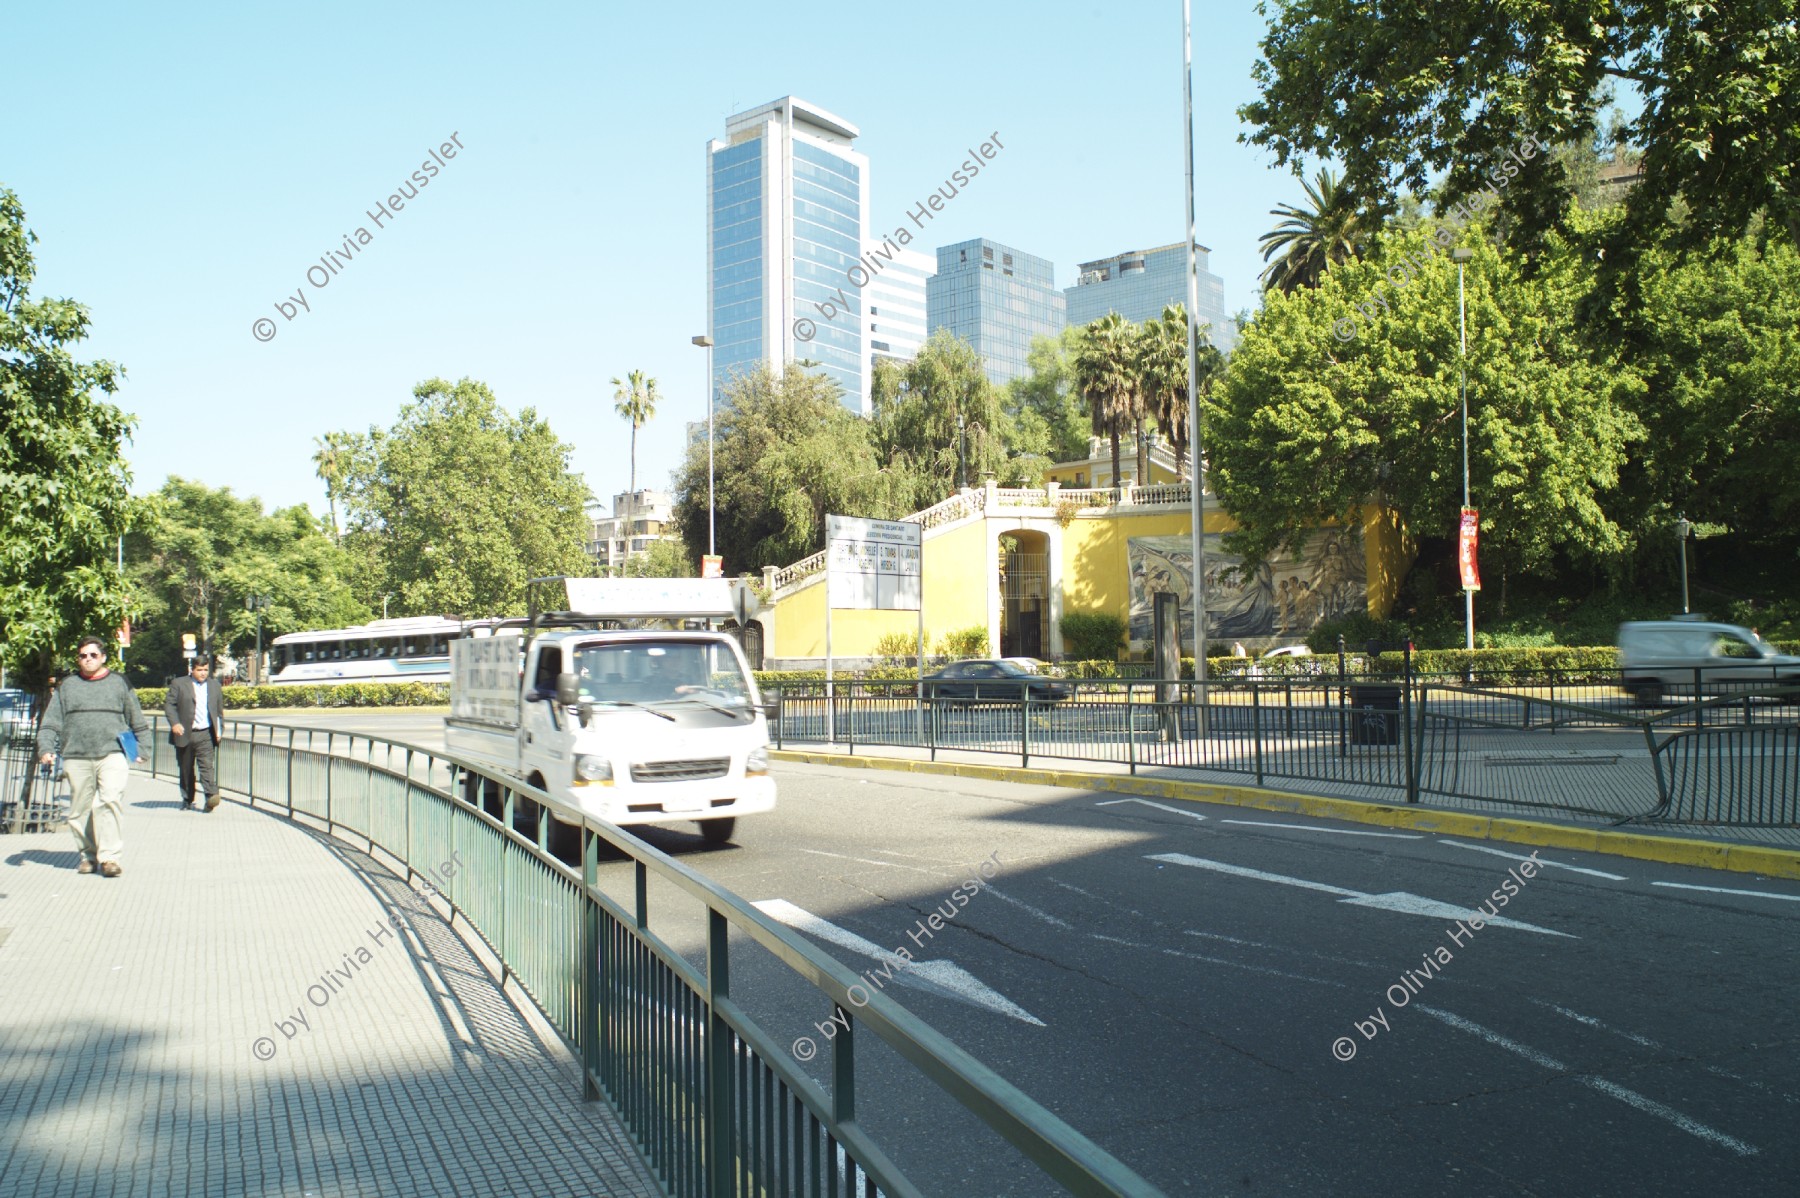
<point x="1092" y="635"/>
<point x="1050" y="419"/>
<point x="964" y="642"/>
<point x="895" y="647"/>
<point x="1398" y="100"/>
<point x="343" y="694"/>
<point x="461" y="502"/>
<point x="787" y="453"/>
<point x="64" y="488"/>
<point x="661" y="559"/>
<point x="1106" y="376"/>
<point x="915" y="429"/>
<point x="1309" y="425"/>
<point x="1357" y="629"/>
<point x="1334" y="229"/>
<point x="200" y="554"/>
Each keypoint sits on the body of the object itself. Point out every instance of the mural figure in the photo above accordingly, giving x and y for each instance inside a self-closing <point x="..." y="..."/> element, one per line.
<point x="1283" y="597"/>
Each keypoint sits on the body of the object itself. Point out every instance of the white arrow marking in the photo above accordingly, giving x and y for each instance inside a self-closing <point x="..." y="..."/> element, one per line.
<point x="1259" y="823"/>
<point x="1158" y="806"/>
<point x="1398" y="900"/>
<point x="1791" y="898"/>
<point x="1481" y="848"/>
<point x="944" y="974"/>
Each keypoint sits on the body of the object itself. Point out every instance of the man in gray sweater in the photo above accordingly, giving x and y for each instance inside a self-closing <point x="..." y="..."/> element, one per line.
<point x="87" y="715"/>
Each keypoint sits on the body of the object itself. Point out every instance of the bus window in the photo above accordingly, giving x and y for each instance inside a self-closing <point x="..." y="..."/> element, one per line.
<point x="308" y="652"/>
<point x="279" y="655"/>
<point x="439" y="646"/>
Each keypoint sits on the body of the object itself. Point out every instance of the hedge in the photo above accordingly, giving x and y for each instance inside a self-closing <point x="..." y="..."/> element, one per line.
<point x="343" y="694"/>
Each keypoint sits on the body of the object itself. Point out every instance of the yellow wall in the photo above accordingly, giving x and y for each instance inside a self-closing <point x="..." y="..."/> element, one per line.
<point x="1101" y="469"/>
<point x="955" y="565"/>
<point x="1388" y="554"/>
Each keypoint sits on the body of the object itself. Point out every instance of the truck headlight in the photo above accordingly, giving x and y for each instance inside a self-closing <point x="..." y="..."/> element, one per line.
<point x="593" y="771"/>
<point x="758" y="761"/>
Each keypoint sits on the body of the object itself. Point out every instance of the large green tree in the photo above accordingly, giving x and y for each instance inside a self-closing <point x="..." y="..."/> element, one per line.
<point x="1399" y="93"/>
<point x="1106" y="375"/>
<point x="1308" y="424"/>
<point x="1050" y="419"/>
<point x="787" y="453"/>
<point x="459" y="503"/>
<point x="938" y="420"/>
<point x="1162" y="365"/>
<point x="198" y="556"/>
<point x="64" y="488"/>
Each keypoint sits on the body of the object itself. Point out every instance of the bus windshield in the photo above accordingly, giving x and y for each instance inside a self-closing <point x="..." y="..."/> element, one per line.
<point x="648" y="672"/>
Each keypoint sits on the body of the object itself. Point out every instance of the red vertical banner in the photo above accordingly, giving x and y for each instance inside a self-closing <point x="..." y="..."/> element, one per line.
<point x="1467" y="536"/>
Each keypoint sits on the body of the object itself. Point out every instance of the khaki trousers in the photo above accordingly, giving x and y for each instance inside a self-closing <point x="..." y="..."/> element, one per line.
<point x="96" y="812"/>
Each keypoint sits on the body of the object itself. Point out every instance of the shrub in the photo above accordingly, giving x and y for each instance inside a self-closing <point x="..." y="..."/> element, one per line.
<point x="1357" y="629"/>
<point x="965" y="642"/>
<point x="896" y="647"/>
<point x="343" y="694"/>
<point x="1092" y="635"/>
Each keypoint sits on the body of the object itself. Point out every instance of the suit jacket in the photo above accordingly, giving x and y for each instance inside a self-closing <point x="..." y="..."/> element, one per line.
<point x="179" y="707"/>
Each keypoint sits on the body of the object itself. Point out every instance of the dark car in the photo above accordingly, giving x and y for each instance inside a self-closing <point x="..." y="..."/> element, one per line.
<point x="993" y="681"/>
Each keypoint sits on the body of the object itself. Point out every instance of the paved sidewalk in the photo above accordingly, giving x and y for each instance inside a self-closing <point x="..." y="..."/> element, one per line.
<point x="136" y="1014"/>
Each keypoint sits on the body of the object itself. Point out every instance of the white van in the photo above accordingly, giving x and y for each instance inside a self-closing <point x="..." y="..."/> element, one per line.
<point x="1674" y="655"/>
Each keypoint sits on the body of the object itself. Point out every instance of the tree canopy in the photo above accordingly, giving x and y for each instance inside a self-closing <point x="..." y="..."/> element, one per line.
<point x="199" y="554"/>
<point x="64" y="486"/>
<point x="452" y="509"/>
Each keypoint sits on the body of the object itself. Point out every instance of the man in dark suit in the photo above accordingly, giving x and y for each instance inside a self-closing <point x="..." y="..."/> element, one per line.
<point x="195" y="710"/>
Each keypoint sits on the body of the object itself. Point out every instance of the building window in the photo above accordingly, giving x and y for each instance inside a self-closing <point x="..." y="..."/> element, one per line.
<point x="987" y="253"/>
<point x="1006" y="259"/>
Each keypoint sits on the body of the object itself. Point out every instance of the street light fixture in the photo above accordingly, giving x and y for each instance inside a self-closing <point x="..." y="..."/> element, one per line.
<point x="705" y="342"/>
<point x="1683" y="530"/>
<point x="1462" y="324"/>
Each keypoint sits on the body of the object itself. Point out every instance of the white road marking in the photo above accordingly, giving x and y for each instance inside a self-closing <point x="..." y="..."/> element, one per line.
<point x="1612" y="1090"/>
<point x="1481" y="848"/>
<point x="1790" y="898"/>
<point x="1045" y="916"/>
<point x="943" y="974"/>
<point x="867" y="861"/>
<point x="1260" y="823"/>
<point x="1590" y="1021"/>
<point x="1148" y="803"/>
<point x="1175" y="952"/>
<point x="1398" y="900"/>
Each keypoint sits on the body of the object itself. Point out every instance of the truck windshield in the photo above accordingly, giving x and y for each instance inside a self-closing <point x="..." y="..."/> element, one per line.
<point x="662" y="672"/>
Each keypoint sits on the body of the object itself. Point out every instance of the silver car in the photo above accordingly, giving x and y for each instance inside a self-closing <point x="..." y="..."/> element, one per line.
<point x="1699" y="657"/>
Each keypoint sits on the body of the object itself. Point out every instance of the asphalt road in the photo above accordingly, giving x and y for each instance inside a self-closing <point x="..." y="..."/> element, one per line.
<point x="1182" y="982"/>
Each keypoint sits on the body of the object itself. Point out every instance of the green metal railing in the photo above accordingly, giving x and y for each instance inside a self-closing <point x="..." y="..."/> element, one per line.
<point x="717" y="1105"/>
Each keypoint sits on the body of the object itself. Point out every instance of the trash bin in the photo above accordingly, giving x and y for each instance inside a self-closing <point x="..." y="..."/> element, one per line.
<point x="1374" y="714"/>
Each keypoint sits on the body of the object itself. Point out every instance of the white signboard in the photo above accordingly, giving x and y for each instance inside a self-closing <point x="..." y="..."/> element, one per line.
<point x="872" y="564"/>
<point x="669" y="598"/>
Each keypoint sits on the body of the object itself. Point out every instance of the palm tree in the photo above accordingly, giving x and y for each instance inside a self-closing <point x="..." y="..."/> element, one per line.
<point x="1335" y="230"/>
<point x="1106" y="376"/>
<point x="635" y="400"/>
<point x="1163" y="373"/>
<point x="331" y="460"/>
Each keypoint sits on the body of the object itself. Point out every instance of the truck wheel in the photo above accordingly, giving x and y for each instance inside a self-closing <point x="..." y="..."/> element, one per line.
<point x="718" y="831"/>
<point x="1647" y="693"/>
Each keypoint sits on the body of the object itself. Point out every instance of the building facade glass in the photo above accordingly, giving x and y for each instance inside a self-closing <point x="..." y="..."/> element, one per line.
<point x="786" y="205"/>
<point x="997" y="299"/>
<point x="1140" y="284"/>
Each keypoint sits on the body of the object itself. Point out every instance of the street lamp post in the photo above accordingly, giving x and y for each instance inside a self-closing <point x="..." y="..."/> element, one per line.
<point x="962" y="453"/>
<point x="706" y="342"/>
<point x="1683" y="530"/>
<point x="258" y="604"/>
<point x="1462" y="357"/>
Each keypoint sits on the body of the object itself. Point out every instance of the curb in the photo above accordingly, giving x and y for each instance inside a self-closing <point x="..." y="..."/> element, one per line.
<point x="1669" y="850"/>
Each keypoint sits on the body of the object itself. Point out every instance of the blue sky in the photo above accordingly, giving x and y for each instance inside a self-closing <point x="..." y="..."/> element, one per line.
<point x="183" y="166"/>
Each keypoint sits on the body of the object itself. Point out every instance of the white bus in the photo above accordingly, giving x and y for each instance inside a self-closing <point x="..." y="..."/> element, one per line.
<point x="407" y="650"/>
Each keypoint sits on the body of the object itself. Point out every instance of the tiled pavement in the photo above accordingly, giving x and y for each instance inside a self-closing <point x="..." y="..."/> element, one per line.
<point x="136" y="1013"/>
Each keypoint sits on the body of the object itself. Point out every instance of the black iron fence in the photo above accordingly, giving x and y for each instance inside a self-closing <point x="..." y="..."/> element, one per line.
<point x="1574" y="745"/>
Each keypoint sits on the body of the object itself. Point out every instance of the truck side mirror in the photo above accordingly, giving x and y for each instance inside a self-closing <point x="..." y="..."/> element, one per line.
<point x="568" y="689"/>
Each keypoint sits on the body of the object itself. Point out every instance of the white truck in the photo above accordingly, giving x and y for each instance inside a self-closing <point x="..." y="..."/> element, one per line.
<point x="628" y="725"/>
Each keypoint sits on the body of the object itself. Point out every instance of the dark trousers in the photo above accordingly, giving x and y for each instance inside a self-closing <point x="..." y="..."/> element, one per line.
<point x="197" y="755"/>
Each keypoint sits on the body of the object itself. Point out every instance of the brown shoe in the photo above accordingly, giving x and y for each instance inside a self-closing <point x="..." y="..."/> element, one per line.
<point x="86" y="867"/>
<point x="212" y="802"/>
<point x="110" y="869"/>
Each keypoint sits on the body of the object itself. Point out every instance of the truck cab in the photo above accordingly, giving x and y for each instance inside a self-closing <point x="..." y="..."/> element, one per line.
<point x="628" y="725"/>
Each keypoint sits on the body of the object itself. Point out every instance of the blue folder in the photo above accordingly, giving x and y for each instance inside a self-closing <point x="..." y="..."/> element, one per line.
<point x="128" y="742"/>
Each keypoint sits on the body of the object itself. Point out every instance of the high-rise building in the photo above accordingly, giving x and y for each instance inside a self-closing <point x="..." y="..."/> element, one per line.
<point x="897" y="304"/>
<point x="787" y="204"/>
<point x="1139" y="285"/>
<point x="997" y="299"/>
<point x="639" y="518"/>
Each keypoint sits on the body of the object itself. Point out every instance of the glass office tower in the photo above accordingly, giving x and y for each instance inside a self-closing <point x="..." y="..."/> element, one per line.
<point x="1140" y="284"/>
<point x="998" y="300"/>
<point x="787" y="200"/>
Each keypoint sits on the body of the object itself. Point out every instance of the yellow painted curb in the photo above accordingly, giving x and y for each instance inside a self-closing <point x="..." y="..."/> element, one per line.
<point x="1704" y="854"/>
